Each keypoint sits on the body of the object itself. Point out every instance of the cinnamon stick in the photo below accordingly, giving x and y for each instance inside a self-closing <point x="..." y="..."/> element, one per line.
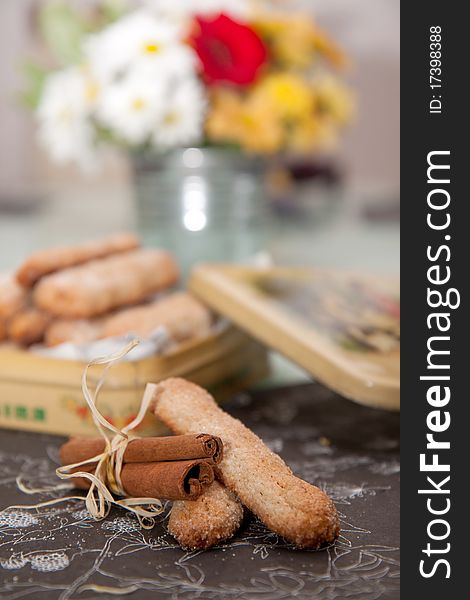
<point x="175" y="480"/>
<point x="150" y="449"/>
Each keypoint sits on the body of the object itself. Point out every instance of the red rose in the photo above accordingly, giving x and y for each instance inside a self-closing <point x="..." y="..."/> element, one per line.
<point x="229" y="51"/>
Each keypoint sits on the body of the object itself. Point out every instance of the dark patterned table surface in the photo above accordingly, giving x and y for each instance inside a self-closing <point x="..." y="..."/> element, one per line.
<point x="352" y="452"/>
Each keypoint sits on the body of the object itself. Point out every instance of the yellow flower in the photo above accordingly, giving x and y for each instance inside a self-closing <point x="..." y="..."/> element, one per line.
<point x="325" y="45"/>
<point x="311" y="133"/>
<point x="287" y="94"/>
<point x="334" y="100"/>
<point x="295" y="40"/>
<point x="259" y="130"/>
<point x="290" y="38"/>
<point x="225" y="106"/>
<point x="319" y="130"/>
<point x="244" y="121"/>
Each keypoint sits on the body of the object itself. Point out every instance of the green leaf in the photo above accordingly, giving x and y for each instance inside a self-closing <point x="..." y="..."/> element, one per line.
<point x="34" y="76"/>
<point x="63" y="30"/>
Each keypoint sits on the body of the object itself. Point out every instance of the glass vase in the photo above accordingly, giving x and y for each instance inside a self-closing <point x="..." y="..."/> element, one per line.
<point x="204" y="204"/>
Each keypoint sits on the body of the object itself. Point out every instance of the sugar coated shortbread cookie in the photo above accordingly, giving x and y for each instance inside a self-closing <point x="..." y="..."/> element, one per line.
<point x="43" y="262"/>
<point x="212" y="518"/>
<point x="105" y="284"/>
<point x="289" y="506"/>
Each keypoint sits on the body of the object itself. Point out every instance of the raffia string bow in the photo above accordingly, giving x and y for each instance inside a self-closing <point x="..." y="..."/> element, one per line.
<point x="106" y="480"/>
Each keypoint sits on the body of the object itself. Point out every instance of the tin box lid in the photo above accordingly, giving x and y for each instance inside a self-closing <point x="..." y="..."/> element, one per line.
<point x="341" y="327"/>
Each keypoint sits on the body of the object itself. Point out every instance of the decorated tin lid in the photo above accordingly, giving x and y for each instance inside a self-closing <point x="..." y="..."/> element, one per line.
<point x="341" y="327"/>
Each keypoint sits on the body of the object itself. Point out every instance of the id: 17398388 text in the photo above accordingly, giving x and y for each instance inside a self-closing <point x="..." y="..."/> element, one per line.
<point x="435" y="69"/>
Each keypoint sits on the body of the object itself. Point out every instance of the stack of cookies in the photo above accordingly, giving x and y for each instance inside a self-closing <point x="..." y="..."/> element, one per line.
<point x="95" y="290"/>
<point x="249" y="474"/>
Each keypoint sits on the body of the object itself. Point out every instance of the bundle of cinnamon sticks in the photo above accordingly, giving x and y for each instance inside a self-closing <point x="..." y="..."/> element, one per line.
<point x="178" y="467"/>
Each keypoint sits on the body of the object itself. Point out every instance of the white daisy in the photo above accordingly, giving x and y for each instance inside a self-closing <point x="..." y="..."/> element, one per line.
<point x="63" y="117"/>
<point x="138" y="37"/>
<point x="131" y="107"/>
<point x="182" y="120"/>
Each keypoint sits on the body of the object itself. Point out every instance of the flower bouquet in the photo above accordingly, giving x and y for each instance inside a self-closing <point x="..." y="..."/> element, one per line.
<point x="159" y="75"/>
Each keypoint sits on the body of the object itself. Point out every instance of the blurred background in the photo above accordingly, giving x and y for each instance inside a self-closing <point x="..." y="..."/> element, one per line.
<point x="335" y="207"/>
